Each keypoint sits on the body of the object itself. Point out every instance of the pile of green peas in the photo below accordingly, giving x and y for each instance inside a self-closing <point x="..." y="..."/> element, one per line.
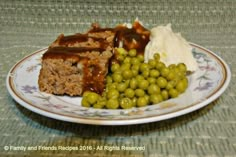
<point x="133" y="83"/>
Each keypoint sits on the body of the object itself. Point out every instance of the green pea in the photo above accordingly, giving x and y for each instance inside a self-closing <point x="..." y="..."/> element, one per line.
<point x="117" y="72"/>
<point x="127" y="82"/>
<point x="147" y="97"/>
<point x="100" y="104"/>
<point x="112" y="104"/>
<point x="112" y="85"/>
<point x="161" y="82"/>
<point x="144" y="67"/>
<point x="112" y="94"/>
<point x="141" y="58"/>
<point x="134" y="73"/>
<point x="180" y="75"/>
<point x="117" y="77"/>
<point x="151" y="80"/>
<point x="154" y="73"/>
<point x="85" y="103"/>
<point x="127" y="74"/>
<point x="169" y="85"/>
<point x="165" y="71"/>
<point x="173" y="93"/>
<point x="175" y="81"/>
<point x="121" y="86"/>
<point x="135" y="61"/>
<point x="154" y="89"/>
<point x="121" y="51"/>
<point x="143" y="84"/>
<point x="146" y="73"/>
<point x="86" y="93"/>
<point x="120" y="58"/>
<point x="160" y="65"/>
<point x="102" y="99"/>
<point x="156" y="98"/>
<point x="133" y="84"/>
<point x="177" y="70"/>
<point x="185" y="80"/>
<point x="135" y="67"/>
<point x="152" y="63"/>
<point x="104" y="94"/>
<point x="139" y="92"/>
<point x="171" y="75"/>
<point x="172" y="66"/>
<point x="164" y="94"/>
<point x="134" y="101"/>
<point x="92" y="98"/>
<point x="108" y="79"/>
<point x="125" y="66"/>
<point x="182" y="67"/>
<point x="181" y="86"/>
<point x="172" y="83"/>
<point x="157" y="56"/>
<point x="129" y="93"/>
<point x="139" y="78"/>
<point x="127" y="60"/>
<point x="142" y="101"/>
<point x="126" y="103"/>
<point x="115" y="67"/>
<point x="132" y="52"/>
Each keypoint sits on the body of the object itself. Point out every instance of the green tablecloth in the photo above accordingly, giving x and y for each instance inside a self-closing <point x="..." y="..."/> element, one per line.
<point x="27" y="26"/>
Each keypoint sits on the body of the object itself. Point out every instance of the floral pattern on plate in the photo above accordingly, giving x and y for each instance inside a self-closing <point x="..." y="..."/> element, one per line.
<point x="205" y="85"/>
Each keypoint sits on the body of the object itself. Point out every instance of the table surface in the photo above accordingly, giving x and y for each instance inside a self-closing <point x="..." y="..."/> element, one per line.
<point x="27" y="26"/>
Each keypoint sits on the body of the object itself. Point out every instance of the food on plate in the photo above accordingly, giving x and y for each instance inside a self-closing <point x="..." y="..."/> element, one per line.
<point x="134" y="83"/>
<point x="134" y="37"/>
<point x="73" y="70"/>
<point x="172" y="47"/>
<point x="121" y="67"/>
<point x="78" y="63"/>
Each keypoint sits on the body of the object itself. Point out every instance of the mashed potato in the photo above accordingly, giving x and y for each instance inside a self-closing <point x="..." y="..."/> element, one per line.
<point x="172" y="47"/>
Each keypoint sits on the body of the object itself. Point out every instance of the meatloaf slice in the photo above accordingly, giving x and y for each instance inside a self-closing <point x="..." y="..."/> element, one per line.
<point x="77" y="63"/>
<point x="72" y="71"/>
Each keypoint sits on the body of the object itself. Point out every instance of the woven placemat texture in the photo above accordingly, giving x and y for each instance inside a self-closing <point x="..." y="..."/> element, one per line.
<point x="29" y="25"/>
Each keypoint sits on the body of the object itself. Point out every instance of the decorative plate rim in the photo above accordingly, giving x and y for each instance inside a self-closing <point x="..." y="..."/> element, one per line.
<point x="138" y="120"/>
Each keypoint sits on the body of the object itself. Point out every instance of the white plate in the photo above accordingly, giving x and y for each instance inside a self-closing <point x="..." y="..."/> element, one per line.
<point x="205" y="85"/>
